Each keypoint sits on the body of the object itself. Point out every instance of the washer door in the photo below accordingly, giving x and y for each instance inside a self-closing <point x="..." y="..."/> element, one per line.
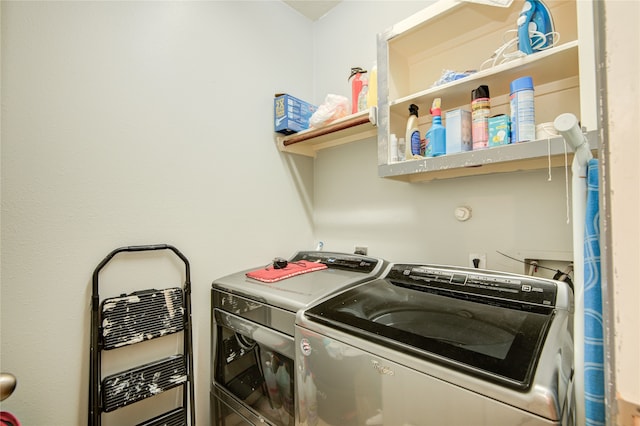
<point x="343" y="385"/>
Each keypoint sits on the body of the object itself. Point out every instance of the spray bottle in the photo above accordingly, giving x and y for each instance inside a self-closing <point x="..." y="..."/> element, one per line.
<point x="436" y="134"/>
<point x="412" y="136"/>
<point x="356" y="87"/>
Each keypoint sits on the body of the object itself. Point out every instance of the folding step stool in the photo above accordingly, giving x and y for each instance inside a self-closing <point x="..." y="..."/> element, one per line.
<point x="133" y="319"/>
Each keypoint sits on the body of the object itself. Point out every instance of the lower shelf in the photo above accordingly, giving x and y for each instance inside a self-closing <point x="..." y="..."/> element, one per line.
<point x="348" y="129"/>
<point x="533" y="155"/>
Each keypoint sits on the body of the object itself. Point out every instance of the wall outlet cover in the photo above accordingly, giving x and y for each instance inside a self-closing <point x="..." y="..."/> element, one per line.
<point x="480" y="258"/>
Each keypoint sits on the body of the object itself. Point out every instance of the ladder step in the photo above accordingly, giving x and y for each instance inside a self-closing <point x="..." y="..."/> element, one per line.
<point x="177" y="417"/>
<point x="141" y="316"/>
<point x="136" y="384"/>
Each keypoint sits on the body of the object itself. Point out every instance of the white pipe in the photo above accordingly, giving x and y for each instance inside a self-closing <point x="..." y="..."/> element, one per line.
<point x="567" y="125"/>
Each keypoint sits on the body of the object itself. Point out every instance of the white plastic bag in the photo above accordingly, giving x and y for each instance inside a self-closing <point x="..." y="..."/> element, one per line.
<point x="333" y="107"/>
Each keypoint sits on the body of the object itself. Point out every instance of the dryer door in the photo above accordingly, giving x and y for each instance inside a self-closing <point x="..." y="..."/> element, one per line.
<point x="253" y="369"/>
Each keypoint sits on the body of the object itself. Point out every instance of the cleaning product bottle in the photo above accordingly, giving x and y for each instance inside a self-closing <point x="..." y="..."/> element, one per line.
<point x="372" y="94"/>
<point x="412" y="136"/>
<point x="436" y="134"/>
<point x="283" y="379"/>
<point x="480" y="111"/>
<point x="272" y="385"/>
<point x="356" y="86"/>
<point x="362" y="97"/>
<point x="393" y="148"/>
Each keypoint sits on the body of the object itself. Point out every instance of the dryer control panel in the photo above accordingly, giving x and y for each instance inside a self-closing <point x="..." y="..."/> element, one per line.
<point x="356" y="263"/>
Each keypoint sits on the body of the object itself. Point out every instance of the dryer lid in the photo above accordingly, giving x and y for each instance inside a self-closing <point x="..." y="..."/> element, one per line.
<point x="343" y="270"/>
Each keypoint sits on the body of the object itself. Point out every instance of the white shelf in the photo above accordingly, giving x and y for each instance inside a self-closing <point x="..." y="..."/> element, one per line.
<point x="538" y="154"/>
<point x="557" y="63"/>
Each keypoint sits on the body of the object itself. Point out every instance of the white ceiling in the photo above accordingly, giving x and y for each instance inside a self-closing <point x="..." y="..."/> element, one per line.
<point x="312" y="9"/>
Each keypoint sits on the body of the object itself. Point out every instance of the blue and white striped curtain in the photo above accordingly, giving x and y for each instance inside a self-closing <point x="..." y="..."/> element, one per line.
<point x="593" y="324"/>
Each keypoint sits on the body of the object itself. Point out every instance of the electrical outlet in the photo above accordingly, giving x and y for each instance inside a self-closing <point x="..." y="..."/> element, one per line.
<point x="481" y="260"/>
<point x="360" y="250"/>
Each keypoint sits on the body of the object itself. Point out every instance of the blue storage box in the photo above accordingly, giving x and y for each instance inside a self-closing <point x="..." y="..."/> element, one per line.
<point x="291" y="115"/>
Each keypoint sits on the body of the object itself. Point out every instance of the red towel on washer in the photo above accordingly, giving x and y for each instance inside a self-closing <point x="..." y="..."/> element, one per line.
<point x="271" y="274"/>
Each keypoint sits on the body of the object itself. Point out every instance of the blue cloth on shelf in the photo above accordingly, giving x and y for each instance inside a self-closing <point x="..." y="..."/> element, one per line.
<point x="593" y="324"/>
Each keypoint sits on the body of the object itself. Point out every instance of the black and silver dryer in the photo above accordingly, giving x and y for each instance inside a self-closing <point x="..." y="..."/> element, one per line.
<point x="253" y="350"/>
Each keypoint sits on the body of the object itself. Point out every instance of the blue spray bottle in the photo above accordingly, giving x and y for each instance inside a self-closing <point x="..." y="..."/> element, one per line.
<point x="436" y="142"/>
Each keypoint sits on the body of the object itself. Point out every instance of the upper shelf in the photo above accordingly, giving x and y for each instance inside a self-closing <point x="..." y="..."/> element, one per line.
<point x="347" y="129"/>
<point x="558" y="63"/>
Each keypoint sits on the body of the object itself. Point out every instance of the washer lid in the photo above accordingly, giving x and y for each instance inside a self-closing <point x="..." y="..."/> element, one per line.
<point x="469" y="320"/>
<point x="343" y="270"/>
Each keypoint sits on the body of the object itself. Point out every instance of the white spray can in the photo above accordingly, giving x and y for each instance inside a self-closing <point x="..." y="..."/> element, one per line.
<point x="523" y="117"/>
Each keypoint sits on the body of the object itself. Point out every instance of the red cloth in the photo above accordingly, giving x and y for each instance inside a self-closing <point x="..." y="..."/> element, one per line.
<point x="8" y="419"/>
<point x="271" y="274"/>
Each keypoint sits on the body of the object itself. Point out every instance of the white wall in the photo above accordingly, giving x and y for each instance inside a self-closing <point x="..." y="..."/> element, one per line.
<point x="522" y="215"/>
<point x="623" y="90"/>
<point x="136" y="123"/>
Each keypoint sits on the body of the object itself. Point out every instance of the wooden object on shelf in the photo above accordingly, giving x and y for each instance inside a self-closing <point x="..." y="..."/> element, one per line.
<point x="347" y="129"/>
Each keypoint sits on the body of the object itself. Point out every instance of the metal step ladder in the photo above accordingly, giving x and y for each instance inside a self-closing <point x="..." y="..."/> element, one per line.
<point x="133" y="319"/>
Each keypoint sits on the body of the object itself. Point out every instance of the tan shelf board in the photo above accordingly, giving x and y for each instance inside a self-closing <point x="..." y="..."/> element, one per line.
<point x="558" y="63"/>
<point x="450" y="23"/>
<point x="347" y="129"/>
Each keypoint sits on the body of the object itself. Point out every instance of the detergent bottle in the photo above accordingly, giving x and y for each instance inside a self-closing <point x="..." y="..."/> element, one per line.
<point x="435" y="137"/>
<point x="356" y="86"/>
<point x="372" y="94"/>
<point x="272" y="385"/>
<point x="283" y="379"/>
<point x="364" y="94"/>
<point x="412" y="136"/>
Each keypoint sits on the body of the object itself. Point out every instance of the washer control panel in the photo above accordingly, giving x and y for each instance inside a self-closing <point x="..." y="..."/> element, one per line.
<point x="481" y="283"/>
